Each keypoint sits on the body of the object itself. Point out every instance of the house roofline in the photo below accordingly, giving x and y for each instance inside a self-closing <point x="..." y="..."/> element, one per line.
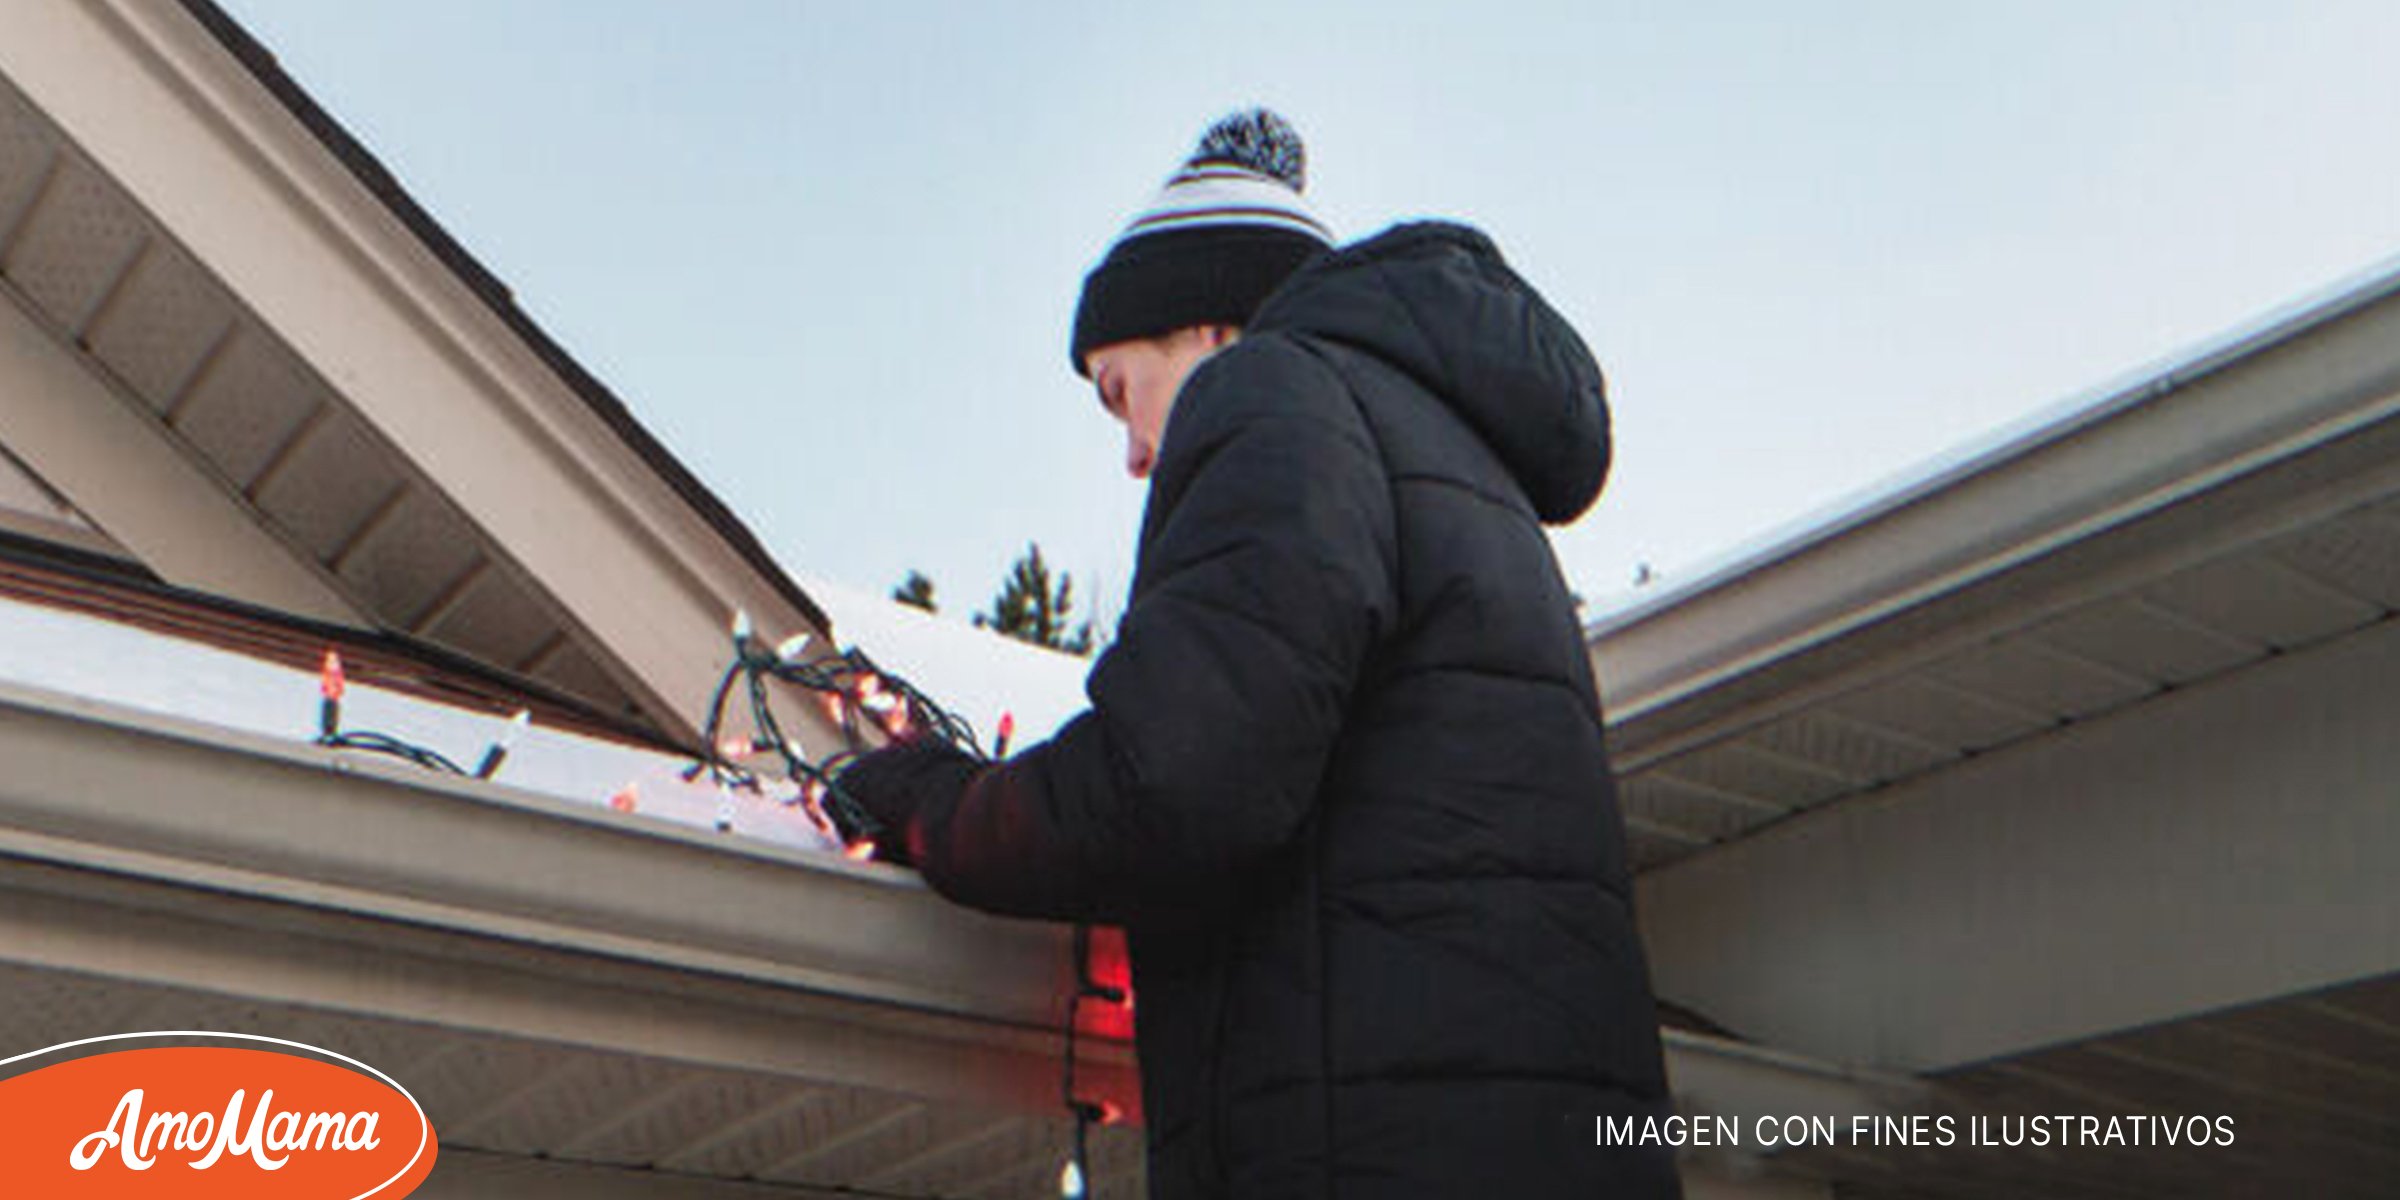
<point x="604" y="403"/>
<point x="2095" y="461"/>
<point x="2010" y="442"/>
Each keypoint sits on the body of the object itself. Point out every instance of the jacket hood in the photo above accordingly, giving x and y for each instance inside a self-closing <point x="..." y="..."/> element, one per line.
<point x="1437" y="301"/>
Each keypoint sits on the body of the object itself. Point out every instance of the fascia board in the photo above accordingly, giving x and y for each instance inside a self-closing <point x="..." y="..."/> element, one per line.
<point x="122" y="926"/>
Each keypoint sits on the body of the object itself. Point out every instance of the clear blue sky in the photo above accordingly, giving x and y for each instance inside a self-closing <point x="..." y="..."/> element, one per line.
<point x="829" y="252"/>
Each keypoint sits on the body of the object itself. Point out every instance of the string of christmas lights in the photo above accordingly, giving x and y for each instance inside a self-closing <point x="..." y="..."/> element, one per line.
<point x="1073" y="1178"/>
<point x="332" y="683"/>
<point x="855" y="693"/>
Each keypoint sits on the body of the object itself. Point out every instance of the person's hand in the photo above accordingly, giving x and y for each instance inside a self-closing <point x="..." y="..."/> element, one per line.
<point x="897" y="782"/>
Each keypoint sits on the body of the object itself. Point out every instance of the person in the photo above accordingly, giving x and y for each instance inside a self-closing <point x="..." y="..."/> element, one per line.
<point x="1342" y="777"/>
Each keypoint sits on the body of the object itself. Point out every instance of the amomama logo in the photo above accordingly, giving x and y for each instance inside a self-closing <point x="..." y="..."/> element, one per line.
<point x="266" y="1120"/>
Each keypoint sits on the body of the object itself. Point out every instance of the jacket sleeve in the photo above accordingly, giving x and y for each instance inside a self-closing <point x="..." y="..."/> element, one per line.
<point x="1266" y="577"/>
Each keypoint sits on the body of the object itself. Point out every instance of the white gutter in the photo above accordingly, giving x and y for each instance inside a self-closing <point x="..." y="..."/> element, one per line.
<point x="179" y="801"/>
<point x="161" y="851"/>
<point x="166" y="852"/>
<point x="170" y="852"/>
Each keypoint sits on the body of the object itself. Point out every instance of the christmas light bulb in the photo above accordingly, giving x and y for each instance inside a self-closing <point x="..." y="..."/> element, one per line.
<point x="816" y="817"/>
<point x="860" y="850"/>
<point x="627" y="798"/>
<point x="1008" y="729"/>
<point x="1110" y="1113"/>
<point x="736" y="747"/>
<point x="1070" y="1182"/>
<point x="498" y="753"/>
<point x="790" y="648"/>
<point x="329" y="709"/>
<point x="741" y="625"/>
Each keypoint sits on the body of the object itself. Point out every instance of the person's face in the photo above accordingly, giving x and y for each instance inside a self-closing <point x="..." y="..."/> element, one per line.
<point x="1138" y="381"/>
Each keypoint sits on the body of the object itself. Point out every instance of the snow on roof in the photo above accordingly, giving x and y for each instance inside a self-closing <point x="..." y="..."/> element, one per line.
<point x="974" y="673"/>
<point x="99" y="659"/>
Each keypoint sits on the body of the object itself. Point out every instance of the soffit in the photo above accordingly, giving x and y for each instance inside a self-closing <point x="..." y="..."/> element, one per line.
<point x="1967" y="685"/>
<point x="210" y="378"/>
<point x="2311" y="1084"/>
<point x="619" y="1112"/>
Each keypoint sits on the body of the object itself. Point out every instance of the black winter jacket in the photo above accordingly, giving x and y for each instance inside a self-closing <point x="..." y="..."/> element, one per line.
<point x="1342" y="776"/>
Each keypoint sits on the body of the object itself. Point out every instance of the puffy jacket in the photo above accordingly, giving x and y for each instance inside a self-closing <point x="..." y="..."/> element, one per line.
<point x="1342" y="776"/>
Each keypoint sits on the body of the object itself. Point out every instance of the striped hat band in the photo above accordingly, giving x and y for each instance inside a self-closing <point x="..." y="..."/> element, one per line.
<point x="1220" y="194"/>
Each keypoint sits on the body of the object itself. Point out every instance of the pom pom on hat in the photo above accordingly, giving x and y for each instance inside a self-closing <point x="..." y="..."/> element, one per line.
<point x="1257" y="140"/>
<point x="1224" y="232"/>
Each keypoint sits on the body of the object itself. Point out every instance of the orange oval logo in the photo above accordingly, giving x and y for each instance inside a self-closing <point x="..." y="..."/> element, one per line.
<point x="211" y="1122"/>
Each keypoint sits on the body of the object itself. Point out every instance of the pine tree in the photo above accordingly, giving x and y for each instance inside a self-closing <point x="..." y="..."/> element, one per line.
<point x="916" y="591"/>
<point x="1031" y="608"/>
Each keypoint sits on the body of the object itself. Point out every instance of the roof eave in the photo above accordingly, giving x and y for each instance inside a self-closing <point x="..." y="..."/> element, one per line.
<point x="2098" y="462"/>
<point x="639" y="567"/>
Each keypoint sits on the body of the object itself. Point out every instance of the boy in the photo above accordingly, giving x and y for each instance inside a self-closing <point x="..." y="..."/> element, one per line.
<point x="1342" y="779"/>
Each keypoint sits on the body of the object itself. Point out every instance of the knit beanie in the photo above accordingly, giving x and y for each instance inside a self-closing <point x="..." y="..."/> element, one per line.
<point x="1222" y="234"/>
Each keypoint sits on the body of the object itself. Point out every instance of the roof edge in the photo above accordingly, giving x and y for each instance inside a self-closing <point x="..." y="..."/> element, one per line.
<point x="2000" y="448"/>
<point x="371" y="174"/>
<point x="2270" y="391"/>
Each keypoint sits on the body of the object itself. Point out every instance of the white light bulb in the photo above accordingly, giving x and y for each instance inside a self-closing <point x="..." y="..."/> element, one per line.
<point x="741" y="624"/>
<point x="1070" y="1181"/>
<point x="790" y="648"/>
